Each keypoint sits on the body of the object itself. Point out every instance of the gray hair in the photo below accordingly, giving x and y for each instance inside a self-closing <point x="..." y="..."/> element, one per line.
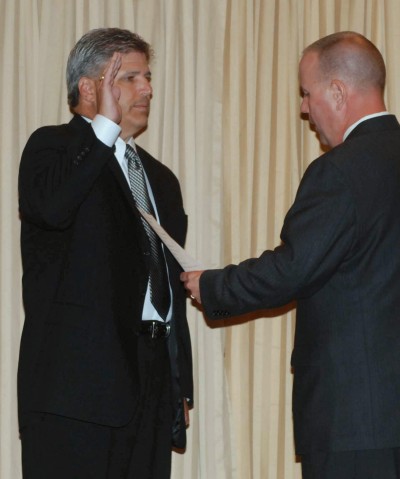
<point x="94" y="50"/>
<point x="351" y="56"/>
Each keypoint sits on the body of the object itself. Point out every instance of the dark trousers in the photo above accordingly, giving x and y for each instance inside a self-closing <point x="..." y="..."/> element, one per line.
<point x="56" y="447"/>
<point x="366" y="464"/>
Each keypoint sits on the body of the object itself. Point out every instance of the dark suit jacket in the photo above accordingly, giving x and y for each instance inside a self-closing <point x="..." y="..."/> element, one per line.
<point x="85" y="261"/>
<point x="340" y="260"/>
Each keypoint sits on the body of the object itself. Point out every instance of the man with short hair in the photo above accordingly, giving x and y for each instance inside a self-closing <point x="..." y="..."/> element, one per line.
<point x="339" y="259"/>
<point x="105" y="362"/>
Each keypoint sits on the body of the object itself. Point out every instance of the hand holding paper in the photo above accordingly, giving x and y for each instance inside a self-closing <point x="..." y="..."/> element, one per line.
<point x="191" y="281"/>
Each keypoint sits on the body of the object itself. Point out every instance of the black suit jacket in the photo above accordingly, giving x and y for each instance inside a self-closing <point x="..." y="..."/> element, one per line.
<point x="85" y="261"/>
<point x="340" y="260"/>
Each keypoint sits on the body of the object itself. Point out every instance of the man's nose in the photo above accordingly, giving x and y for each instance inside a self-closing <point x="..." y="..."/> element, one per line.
<point x="304" y="105"/>
<point x="146" y="88"/>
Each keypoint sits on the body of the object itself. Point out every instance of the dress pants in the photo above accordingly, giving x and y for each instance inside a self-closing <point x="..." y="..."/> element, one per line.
<point x="365" y="464"/>
<point x="56" y="447"/>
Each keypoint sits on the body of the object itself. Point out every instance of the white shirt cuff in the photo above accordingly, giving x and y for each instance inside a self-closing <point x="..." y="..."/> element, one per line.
<point x="106" y="130"/>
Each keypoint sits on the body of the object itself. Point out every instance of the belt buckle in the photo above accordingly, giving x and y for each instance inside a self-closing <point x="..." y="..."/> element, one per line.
<point x="167" y="329"/>
<point x="154" y="329"/>
<point x="157" y="330"/>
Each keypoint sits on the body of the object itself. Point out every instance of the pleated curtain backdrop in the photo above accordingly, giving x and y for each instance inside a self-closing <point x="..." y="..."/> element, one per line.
<point x="225" y="118"/>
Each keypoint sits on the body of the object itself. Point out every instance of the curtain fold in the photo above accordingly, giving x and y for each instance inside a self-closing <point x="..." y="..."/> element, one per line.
<point x="225" y="118"/>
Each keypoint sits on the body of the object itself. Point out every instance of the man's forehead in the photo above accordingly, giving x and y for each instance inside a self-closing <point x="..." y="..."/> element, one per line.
<point x="308" y="65"/>
<point x="134" y="58"/>
<point x="309" y="59"/>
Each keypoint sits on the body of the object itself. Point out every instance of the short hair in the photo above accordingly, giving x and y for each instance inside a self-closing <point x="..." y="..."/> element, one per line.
<point x="94" y="50"/>
<point x="351" y="56"/>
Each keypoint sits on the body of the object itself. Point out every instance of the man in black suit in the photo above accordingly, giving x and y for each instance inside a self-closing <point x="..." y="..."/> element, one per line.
<point x="339" y="259"/>
<point x="105" y="373"/>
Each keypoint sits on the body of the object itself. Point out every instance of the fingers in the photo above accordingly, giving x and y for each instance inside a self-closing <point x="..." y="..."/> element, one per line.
<point x="190" y="281"/>
<point x="111" y="69"/>
<point x="186" y="412"/>
<point x="109" y="94"/>
<point x="186" y="276"/>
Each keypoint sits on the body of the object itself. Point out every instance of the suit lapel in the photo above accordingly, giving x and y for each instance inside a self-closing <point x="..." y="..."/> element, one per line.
<point x="121" y="180"/>
<point x="127" y="193"/>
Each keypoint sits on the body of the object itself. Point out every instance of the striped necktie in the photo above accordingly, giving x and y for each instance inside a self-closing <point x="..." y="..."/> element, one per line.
<point x="159" y="288"/>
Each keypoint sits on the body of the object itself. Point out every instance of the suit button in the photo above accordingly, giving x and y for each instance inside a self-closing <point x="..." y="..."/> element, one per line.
<point x="147" y="253"/>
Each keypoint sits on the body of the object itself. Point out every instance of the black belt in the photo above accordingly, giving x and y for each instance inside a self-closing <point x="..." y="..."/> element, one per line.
<point x="155" y="329"/>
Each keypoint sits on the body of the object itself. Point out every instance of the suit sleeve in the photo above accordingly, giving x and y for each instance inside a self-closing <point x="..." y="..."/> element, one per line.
<point x="318" y="232"/>
<point x="58" y="168"/>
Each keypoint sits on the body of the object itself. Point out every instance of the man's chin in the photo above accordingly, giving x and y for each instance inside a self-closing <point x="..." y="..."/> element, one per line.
<point x="324" y="143"/>
<point x="130" y="129"/>
<point x="139" y="130"/>
<point x="322" y="140"/>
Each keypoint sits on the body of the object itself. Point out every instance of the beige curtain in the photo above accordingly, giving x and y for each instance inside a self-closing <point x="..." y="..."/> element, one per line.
<point x="225" y="118"/>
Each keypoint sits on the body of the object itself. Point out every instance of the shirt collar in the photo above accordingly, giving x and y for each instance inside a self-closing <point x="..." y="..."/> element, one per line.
<point x="367" y="117"/>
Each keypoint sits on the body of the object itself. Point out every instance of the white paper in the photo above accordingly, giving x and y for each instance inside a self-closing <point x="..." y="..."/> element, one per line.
<point x="184" y="259"/>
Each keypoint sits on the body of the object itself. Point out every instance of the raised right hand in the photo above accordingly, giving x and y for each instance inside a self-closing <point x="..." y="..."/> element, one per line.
<point x="108" y="92"/>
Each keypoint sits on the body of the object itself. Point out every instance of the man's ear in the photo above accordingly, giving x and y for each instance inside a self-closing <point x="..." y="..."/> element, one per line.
<point x="339" y="93"/>
<point x="87" y="89"/>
